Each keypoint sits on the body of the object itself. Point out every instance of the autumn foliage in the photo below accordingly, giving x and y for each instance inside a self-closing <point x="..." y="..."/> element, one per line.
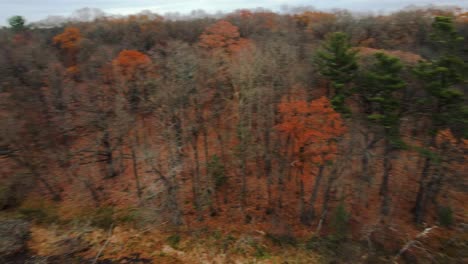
<point x="69" y="42"/>
<point x="130" y="62"/>
<point x="223" y="36"/>
<point x="69" y="39"/>
<point x="315" y="127"/>
<point x="310" y="19"/>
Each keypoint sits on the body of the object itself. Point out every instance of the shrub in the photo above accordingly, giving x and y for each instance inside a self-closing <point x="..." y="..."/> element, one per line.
<point x="128" y="215"/>
<point x="39" y="212"/>
<point x="336" y="251"/>
<point x="103" y="217"/>
<point x="324" y="245"/>
<point x="216" y="171"/>
<point x="227" y="242"/>
<point x="445" y="215"/>
<point x="34" y="214"/>
<point x="173" y="240"/>
<point x="260" y="250"/>
<point x="4" y="196"/>
<point x="340" y="222"/>
<point x="282" y="240"/>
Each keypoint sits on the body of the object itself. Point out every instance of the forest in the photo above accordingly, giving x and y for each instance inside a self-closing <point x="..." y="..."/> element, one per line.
<point x="255" y="137"/>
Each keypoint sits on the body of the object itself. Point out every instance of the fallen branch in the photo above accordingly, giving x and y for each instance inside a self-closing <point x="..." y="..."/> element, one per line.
<point x="413" y="242"/>
<point x="109" y="234"/>
<point x="320" y="223"/>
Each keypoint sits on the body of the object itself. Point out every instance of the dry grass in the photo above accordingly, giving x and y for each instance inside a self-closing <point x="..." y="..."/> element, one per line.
<point x="199" y="246"/>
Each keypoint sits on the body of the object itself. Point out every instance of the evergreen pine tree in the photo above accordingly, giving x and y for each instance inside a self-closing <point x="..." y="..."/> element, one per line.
<point x="443" y="80"/>
<point x="379" y="93"/>
<point x="338" y="63"/>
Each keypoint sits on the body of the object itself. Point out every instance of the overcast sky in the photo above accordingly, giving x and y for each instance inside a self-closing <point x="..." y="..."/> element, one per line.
<point x="35" y="10"/>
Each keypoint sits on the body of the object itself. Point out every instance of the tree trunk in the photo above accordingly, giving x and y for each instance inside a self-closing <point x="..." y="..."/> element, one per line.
<point x="175" y="167"/>
<point x="196" y="177"/>
<point x="109" y="158"/>
<point x="384" y="188"/>
<point x="365" y="161"/>
<point x="92" y="190"/>
<point x="334" y="174"/>
<point x="205" y="145"/>
<point x="302" y="206"/>
<point x="267" y="164"/>
<point x="55" y="194"/>
<point x="137" y="178"/>
<point x="220" y="140"/>
<point x="313" y="197"/>
<point x="420" y="203"/>
<point x="243" y="169"/>
<point x="326" y="199"/>
<point x="419" y="208"/>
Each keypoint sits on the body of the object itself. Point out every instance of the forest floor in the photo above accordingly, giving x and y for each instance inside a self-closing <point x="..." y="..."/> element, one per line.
<point x="43" y="235"/>
<point x="36" y="237"/>
<point x="74" y="243"/>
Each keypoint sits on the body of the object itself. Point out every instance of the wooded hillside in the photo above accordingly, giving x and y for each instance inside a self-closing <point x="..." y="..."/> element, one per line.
<point x="335" y="126"/>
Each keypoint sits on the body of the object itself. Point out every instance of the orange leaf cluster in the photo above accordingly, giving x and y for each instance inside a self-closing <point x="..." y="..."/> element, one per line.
<point x="73" y="71"/>
<point x="129" y="62"/>
<point x="309" y="18"/>
<point x="445" y="138"/>
<point x="408" y="57"/>
<point x="69" y="39"/>
<point x="453" y="152"/>
<point x="223" y="36"/>
<point x="315" y="126"/>
<point x="462" y="18"/>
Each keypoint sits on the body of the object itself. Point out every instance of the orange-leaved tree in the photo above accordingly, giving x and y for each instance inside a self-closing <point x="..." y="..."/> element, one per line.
<point x="223" y="37"/>
<point x="309" y="19"/>
<point x="132" y="69"/>
<point x="69" y="39"/>
<point x="69" y="42"/>
<point x="129" y="63"/>
<point x="315" y="128"/>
